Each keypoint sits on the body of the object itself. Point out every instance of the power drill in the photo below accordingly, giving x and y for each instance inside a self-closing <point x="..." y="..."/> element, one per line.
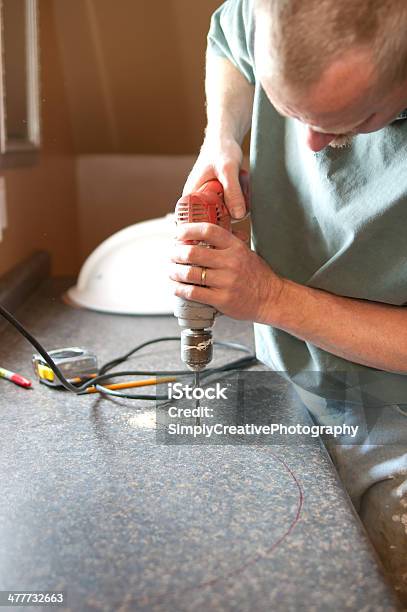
<point x="206" y="205"/>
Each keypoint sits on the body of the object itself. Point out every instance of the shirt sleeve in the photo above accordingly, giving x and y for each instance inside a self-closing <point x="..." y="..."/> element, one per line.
<point x="231" y="35"/>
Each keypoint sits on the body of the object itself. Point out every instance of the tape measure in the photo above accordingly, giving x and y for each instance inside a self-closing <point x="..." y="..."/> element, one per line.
<point x="76" y="364"/>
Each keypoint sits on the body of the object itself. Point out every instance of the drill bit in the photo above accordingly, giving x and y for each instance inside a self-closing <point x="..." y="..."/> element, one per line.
<point x="197" y="401"/>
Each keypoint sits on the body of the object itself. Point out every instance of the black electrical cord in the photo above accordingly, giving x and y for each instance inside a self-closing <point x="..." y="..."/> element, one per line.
<point x="103" y="376"/>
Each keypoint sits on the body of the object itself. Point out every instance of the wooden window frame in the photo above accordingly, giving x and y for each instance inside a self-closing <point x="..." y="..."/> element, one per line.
<point x="24" y="152"/>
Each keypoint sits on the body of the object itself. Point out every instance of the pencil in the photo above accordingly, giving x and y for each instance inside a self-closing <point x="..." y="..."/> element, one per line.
<point x="15" y="378"/>
<point x="135" y="383"/>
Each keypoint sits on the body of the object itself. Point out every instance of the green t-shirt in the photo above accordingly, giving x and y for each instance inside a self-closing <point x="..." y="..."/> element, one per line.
<point x="334" y="220"/>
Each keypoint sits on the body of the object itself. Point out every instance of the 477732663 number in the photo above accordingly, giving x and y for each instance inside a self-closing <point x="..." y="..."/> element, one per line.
<point x="32" y="598"/>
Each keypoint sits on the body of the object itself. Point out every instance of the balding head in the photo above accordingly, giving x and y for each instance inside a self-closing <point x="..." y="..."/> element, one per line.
<point x="305" y="36"/>
<point x="339" y="66"/>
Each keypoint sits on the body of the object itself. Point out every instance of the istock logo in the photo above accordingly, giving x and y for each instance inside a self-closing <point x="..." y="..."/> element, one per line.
<point x="180" y="391"/>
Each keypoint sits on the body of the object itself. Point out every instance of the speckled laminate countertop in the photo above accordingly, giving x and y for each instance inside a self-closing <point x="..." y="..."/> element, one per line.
<point x="91" y="504"/>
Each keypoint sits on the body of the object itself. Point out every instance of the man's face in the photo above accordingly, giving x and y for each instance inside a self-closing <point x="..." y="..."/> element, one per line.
<point x="346" y="101"/>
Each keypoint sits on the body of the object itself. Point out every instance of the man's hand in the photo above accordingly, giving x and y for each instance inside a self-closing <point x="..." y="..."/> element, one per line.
<point x="221" y="160"/>
<point x="238" y="282"/>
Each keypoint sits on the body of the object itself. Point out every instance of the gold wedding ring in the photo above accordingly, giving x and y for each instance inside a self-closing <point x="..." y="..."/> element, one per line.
<point x="203" y="277"/>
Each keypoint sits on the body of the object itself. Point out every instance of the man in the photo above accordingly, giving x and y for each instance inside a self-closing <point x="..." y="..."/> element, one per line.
<point x="323" y="86"/>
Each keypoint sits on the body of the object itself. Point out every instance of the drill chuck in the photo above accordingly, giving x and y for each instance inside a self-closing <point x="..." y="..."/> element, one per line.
<point x="196" y="348"/>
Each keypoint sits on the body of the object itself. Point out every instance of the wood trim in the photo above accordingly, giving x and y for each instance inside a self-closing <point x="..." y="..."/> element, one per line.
<point x="22" y="153"/>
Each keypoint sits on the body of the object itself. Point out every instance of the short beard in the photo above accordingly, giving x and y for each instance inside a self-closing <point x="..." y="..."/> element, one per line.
<point x="342" y="141"/>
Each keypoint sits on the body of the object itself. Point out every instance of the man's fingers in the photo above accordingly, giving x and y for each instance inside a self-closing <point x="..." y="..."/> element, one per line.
<point x="196" y="255"/>
<point x="197" y="178"/>
<point x="211" y="234"/>
<point x="244" y="180"/>
<point x="234" y="198"/>
<point x="192" y="275"/>
<point x="194" y="293"/>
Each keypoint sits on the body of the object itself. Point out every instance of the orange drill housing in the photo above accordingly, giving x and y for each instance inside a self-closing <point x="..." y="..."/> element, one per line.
<point x="204" y="206"/>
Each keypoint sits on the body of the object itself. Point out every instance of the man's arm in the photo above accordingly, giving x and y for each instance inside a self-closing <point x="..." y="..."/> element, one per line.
<point x="242" y="285"/>
<point x="369" y="333"/>
<point x="229" y="101"/>
<point x="229" y="98"/>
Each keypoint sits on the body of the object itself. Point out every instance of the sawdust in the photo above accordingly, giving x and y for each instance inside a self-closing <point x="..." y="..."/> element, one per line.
<point x="143" y="420"/>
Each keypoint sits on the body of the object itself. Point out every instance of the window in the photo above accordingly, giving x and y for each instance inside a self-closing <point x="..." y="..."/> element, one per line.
<point x="19" y="83"/>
